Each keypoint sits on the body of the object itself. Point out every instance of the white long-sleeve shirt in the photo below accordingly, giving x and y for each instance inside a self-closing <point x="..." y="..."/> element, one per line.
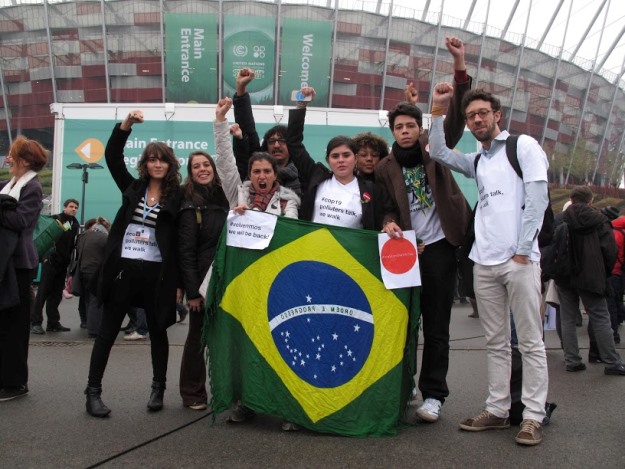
<point x="510" y="210"/>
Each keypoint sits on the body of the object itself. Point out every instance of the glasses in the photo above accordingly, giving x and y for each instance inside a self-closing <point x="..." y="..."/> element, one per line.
<point x="273" y="141"/>
<point x="482" y="113"/>
<point x="364" y="154"/>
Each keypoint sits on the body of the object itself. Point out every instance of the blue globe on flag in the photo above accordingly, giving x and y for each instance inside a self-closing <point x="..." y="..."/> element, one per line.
<point x="321" y="322"/>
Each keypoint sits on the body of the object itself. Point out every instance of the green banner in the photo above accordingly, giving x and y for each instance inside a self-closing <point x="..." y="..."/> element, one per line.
<point x="305" y="59"/>
<point x="191" y="57"/>
<point x="305" y="330"/>
<point x="84" y="141"/>
<point x="249" y="42"/>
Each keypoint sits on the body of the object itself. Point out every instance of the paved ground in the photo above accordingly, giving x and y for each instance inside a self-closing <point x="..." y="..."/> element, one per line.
<point x="50" y="428"/>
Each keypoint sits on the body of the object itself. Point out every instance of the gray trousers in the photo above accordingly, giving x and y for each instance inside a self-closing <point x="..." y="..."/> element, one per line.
<point x="599" y="317"/>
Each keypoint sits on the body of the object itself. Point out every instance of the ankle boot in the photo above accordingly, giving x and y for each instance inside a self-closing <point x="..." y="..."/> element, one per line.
<point x="156" y="397"/>
<point x="95" y="406"/>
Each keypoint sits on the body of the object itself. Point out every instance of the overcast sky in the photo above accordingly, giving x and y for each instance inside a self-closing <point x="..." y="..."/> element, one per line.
<point x="541" y="11"/>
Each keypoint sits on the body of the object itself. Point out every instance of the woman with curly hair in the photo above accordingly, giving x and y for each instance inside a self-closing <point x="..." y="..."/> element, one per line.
<point x="370" y="149"/>
<point x="140" y="265"/>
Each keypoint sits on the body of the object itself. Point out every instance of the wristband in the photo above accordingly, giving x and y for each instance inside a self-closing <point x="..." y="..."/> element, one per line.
<point x="438" y="111"/>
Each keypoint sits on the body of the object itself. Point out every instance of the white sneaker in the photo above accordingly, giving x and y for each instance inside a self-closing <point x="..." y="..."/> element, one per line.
<point x="430" y="410"/>
<point x="135" y="336"/>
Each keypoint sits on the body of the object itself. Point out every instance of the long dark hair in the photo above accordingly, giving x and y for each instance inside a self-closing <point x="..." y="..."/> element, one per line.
<point x="160" y="150"/>
<point x="200" y="194"/>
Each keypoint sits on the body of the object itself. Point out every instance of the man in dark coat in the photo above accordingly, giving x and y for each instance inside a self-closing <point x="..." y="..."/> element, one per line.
<point x="247" y="142"/>
<point x="592" y="250"/>
<point x="54" y="272"/>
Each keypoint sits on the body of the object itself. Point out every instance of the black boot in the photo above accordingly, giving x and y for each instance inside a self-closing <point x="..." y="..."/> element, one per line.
<point x="95" y="406"/>
<point x="156" y="397"/>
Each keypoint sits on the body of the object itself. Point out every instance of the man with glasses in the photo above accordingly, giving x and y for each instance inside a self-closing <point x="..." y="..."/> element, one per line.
<point x="506" y="271"/>
<point x="429" y="201"/>
<point x="246" y="140"/>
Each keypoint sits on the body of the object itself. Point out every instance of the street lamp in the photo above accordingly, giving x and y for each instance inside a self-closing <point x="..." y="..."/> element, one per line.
<point x="85" y="179"/>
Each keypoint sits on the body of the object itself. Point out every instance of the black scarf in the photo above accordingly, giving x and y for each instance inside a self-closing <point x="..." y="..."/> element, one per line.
<point x="289" y="177"/>
<point x="408" y="157"/>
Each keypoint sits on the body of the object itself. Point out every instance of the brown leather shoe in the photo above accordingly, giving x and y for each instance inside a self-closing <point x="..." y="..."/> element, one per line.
<point x="531" y="433"/>
<point x="485" y="421"/>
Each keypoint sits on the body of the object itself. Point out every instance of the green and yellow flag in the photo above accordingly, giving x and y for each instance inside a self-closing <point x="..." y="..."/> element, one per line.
<point x="305" y="330"/>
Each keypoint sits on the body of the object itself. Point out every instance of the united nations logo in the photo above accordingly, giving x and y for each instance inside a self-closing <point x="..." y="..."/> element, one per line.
<point x="240" y="50"/>
<point x="321" y="322"/>
<point x="259" y="52"/>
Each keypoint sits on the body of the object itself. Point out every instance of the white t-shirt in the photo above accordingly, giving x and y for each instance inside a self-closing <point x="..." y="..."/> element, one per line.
<point x="501" y="194"/>
<point x="140" y="237"/>
<point x="423" y="214"/>
<point x="338" y="204"/>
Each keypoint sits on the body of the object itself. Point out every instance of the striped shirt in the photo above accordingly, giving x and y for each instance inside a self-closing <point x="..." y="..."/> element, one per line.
<point x="150" y="213"/>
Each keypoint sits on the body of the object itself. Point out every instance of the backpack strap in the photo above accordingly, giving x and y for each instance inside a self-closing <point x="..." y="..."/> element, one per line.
<point x="476" y="160"/>
<point x="511" y="153"/>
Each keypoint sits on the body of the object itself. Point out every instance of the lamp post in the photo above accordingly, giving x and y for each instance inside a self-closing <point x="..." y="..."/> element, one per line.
<point x="85" y="179"/>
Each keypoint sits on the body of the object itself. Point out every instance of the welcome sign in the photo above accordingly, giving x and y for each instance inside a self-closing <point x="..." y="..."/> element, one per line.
<point x="306" y="58"/>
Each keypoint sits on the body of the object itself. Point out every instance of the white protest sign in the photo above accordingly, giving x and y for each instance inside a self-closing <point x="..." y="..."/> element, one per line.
<point x="140" y="243"/>
<point x="399" y="262"/>
<point x="252" y="230"/>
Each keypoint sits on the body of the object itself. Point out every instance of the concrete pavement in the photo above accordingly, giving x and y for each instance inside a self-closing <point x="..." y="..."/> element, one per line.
<point x="50" y="428"/>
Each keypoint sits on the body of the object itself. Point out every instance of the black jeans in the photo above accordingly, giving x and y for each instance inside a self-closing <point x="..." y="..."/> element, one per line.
<point x="50" y="292"/>
<point x="193" y="367"/>
<point x="15" y="334"/>
<point x="134" y="286"/>
<point x="438" y="273"/>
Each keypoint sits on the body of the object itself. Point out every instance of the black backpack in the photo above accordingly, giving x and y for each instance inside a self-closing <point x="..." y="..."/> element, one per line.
<point x="558" y="260"/>
<point x="545" y="234"/>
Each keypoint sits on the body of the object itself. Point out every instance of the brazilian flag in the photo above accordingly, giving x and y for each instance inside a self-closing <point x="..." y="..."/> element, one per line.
<point x="305" y="330"/>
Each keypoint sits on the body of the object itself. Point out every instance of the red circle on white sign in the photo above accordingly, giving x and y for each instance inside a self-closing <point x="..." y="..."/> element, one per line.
<point x="398" y="255"/>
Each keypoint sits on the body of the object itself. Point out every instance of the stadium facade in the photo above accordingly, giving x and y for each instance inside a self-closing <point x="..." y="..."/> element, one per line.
<point x="157" y="51"/>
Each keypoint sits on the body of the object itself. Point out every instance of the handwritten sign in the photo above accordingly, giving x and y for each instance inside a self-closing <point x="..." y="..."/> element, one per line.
<point x="252" y="230"/>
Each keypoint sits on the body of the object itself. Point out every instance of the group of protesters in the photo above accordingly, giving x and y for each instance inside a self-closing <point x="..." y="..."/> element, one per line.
<point x="163" y="240"/>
